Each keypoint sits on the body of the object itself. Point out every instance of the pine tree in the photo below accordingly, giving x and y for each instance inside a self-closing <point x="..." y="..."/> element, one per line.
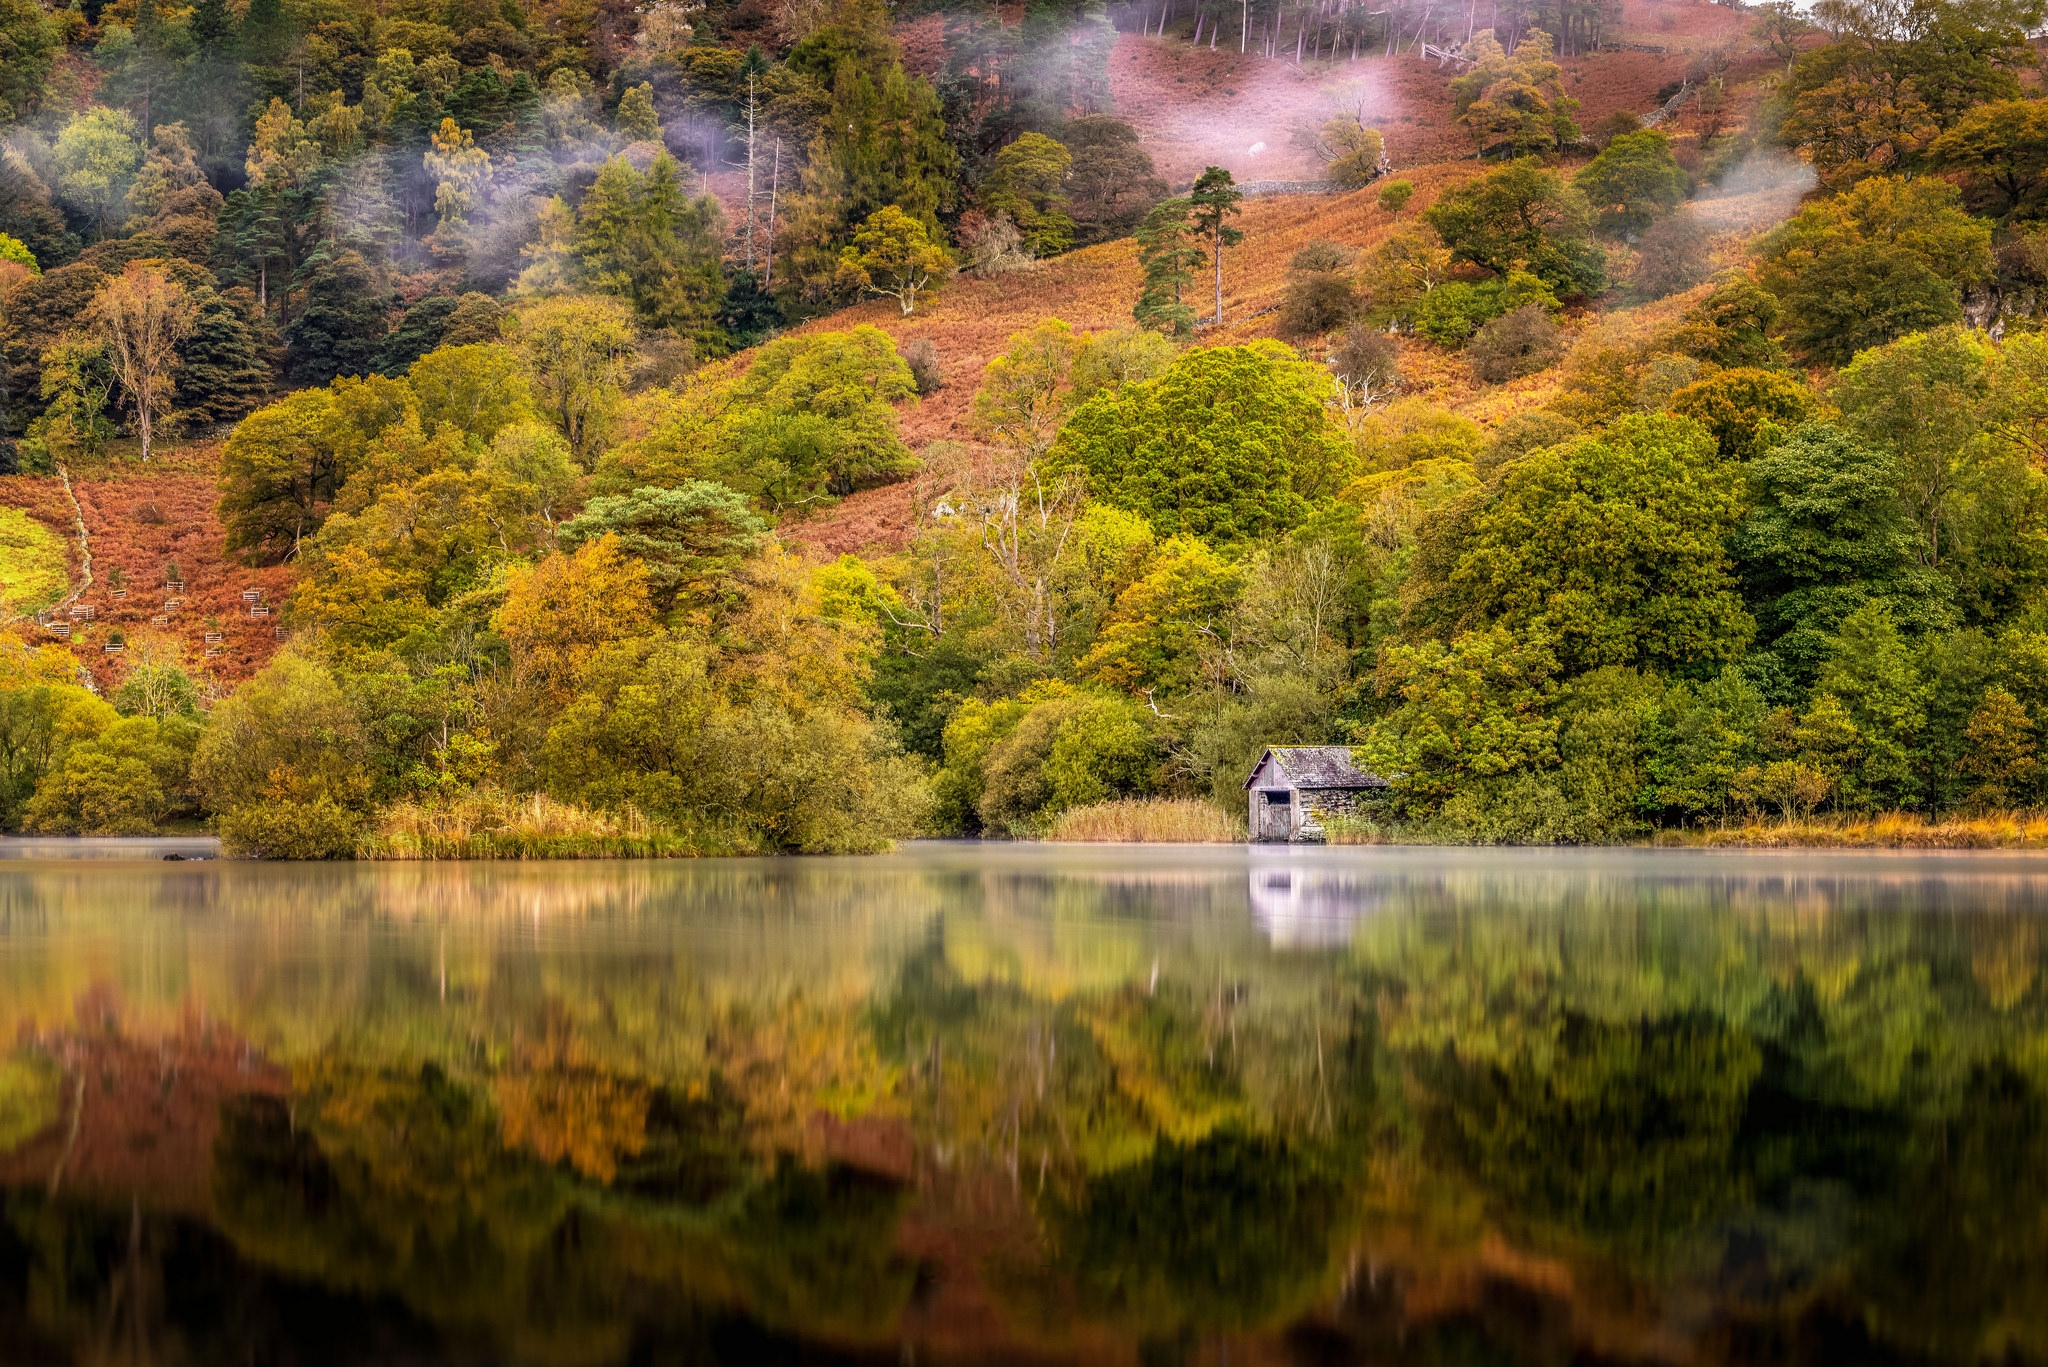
<point x="1170" y="257"/>
<point x="1214" y="198"/>
<point x="220" y="370"/>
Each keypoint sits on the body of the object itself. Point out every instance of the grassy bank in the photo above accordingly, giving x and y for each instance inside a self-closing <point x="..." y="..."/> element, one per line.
<point x="1889" y="830"/>
<point x="488" y="825"/>
<point x="1149" y="821"/>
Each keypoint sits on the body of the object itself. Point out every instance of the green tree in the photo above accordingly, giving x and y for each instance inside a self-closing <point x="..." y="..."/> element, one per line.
<point x="282" y="764"/>
<point x="96" y="156"/>
<point x="636" y="117"/>
<point x="1213" y="199"/>
<point x="817" y="414"/>
<point x="1923" y="399"/>
<point x="1884" y="259"/>
<point x="1169" y="254"/>
<point x="119" y="782"/>
<point x="1632" y="183"/>
<point x="691" y="539"/>
<point x="1522" y="217"/>
<point x="1152" y="640"/>
<point x="2001" y="759"/>
<point x="1474" y="709"/>
<point x="1828" y="533"/>
<point x="1747" y="409"/>
<point x="1025" y="183"/>
<point x="881" y="141"/>
<point x="29" y="43"/>
<point x="221" y="373"/>
<point x="283" y="465"/>
<point x="640" y="238"/>
<point x="1612" y="548"/>
<point x="1228" y="443"/>
<point x="1871" y="668"/>
<point x="891" y="257"/>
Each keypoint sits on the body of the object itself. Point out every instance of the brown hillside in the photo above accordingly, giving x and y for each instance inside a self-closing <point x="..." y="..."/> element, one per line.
<point x="143" y="520"/>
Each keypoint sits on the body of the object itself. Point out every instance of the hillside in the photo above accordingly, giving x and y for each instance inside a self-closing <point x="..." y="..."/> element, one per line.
<point x="1192" y="107"/>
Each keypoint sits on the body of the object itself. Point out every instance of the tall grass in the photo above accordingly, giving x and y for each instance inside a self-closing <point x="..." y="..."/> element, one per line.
<point x="488" y="824"/>
<point x="2015" y="830"/>
<point x="1149" y="821"/>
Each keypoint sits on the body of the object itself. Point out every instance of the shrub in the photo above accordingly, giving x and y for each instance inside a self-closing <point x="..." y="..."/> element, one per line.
<point x="1673" y="255"/>
<point x="1157" y="820"/>
<point x="922" y="356"/>
<point x="1515" y="344"/>
<point x="1315" y="302"/>
<point x="285" y="829"/>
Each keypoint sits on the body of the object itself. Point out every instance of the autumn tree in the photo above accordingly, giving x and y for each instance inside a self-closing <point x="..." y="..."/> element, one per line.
<point x="2001" y="149"/>
<point x="143" y="315"/>
<point x="1885" y="258"/>
<point x="892" y="257"/>
<point x="1516" y="102"/>
<point x="577" y="351"/>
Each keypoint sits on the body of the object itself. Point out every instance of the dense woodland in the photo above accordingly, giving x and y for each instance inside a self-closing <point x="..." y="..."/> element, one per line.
<point x="526" y="411"/>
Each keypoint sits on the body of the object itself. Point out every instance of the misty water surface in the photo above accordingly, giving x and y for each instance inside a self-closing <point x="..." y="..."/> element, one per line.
<point x="964" y="1104"/>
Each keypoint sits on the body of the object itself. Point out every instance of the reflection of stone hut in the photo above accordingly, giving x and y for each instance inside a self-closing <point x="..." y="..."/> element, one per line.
<point x="1294" y="789"/>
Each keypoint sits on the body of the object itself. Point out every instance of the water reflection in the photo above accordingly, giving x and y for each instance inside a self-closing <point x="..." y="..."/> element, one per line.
<point x="961" y="1103"/>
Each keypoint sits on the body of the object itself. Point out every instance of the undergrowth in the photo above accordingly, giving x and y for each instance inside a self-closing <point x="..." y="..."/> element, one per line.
<point x="488" y="824"/>
<point x="1164" y="821"/>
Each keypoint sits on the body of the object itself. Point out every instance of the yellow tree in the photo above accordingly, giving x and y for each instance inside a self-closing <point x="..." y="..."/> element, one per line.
<point x="892" y="256"/>
<point x="142" y="314"/>
<point x="577" y="349"/>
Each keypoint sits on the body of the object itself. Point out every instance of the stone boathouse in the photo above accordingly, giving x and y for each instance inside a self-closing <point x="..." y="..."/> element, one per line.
<point x="1294" y="788"/>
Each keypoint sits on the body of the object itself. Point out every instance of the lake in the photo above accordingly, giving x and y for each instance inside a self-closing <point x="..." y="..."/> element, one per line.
<point x="1027" y="1104"/>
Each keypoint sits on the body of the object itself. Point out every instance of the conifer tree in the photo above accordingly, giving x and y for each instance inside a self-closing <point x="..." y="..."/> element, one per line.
<point x="1170" y="257"/>
<point x="1214" y="198"/>
<point x="220" y="371"/>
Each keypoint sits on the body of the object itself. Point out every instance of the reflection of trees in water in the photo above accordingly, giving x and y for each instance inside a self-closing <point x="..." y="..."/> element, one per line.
<point x="1759" y="1108"/>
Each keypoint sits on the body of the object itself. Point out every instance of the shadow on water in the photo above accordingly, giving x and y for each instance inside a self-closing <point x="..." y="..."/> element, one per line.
<point x="965" y="1104"/>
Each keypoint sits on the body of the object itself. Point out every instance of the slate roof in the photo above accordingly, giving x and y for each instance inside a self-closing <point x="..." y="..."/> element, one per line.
<point x="1318" y="766"/>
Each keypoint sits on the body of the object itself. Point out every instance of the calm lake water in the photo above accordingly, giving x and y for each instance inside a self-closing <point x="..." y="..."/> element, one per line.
<point x="1027" y="1104"/>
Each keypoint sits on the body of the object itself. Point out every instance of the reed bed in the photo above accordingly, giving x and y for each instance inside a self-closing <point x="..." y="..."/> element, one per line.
<point x="2014" y="830"/>
<point x="1149" y="821"/>
<point x="497" y="825"/>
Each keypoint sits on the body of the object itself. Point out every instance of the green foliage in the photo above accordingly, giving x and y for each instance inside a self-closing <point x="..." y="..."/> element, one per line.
<point x="1886" y="258"/>
<point x="1475" y="709"/>
<point x="1633" y="182"/>
<point x="1612" y="549"/>
<point x="1025" y="183"/>
<point x="1522" y="217"/>
<point x="1169" y="254"/>
<point x="1828" y="533"/>
<point x="642" y="239"/>
<point x="1747" y="409"/>
<point x="691" y="539"/>
<point x="1227" y="443"/>
<point x="121" y="781"/>
<point x="1068" y="751"/>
